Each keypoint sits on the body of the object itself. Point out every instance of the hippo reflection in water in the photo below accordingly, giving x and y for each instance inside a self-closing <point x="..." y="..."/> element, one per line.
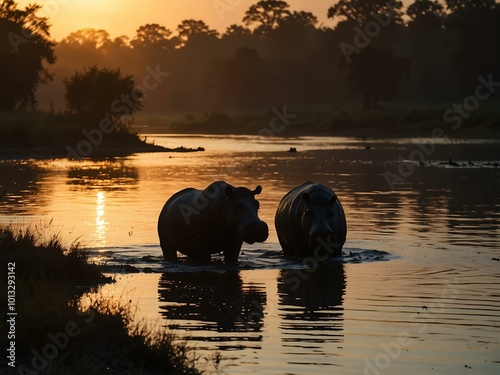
<point x="205" y="298"/>
<point x="220" y="218"/>
<point x="309" y="221"/>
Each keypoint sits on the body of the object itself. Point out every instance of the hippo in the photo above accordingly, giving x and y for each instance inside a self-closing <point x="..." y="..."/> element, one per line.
<point x="310" y="220"/>
<point x="220" y="218"/>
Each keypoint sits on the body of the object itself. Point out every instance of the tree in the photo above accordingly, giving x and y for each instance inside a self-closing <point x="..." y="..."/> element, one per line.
<point x="458" y="5"/>
<point x="426" y="44"/>
<point x="121" y="41"/>
<point x="193" y="29"/>
<point x="103" y="93"/>
<point x="244" y="80"/>
<point x="305" y="20"/>
<point x="153" y="35"/>
<point x="266" y="14"/>
<point x="476" y="26"/>
<point x="377" y="73"/>
<point x="361" y="11"/>
<point x="294" y="38"/>
<point x="90" y="38"/>
<point x="426" y="14"/>
<point x="237" y="30"/>
<point x="24" y="48"/>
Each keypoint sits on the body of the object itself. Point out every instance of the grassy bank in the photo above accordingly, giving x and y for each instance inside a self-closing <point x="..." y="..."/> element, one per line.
<point x="386" y="121"/>
<point x="55" y="334"/>
<point x="50" y="134"/>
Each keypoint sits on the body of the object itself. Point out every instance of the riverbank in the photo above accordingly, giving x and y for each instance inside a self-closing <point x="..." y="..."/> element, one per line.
<point x="58" y="135"/>
<point x="49" y="330"/>
<point x="289" y="121"/>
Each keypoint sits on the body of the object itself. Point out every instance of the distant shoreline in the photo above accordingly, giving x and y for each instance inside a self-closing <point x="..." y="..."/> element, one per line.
<point x="391" y="122"/>
<point x="368" y="132"/>
<point x="40" y="135"/>
<point x="98" y="153"/>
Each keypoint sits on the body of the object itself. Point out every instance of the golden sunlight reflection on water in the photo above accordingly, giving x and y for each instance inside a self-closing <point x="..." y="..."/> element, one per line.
<point x="100" y="222"/>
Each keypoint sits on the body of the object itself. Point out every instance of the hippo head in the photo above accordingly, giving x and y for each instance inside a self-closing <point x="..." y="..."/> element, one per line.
<point x="241" y="214"/>
<point x="318" y="224"/>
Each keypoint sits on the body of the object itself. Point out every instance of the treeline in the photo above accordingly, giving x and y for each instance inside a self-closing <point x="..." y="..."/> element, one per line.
<point x="429" y="52"/>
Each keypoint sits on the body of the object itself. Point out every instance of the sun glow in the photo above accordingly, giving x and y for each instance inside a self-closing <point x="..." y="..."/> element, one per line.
<point x="124" y="17"/>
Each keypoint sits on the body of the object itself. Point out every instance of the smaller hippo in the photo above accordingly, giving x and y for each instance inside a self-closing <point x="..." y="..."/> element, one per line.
<point x="220" y="218"/>
<point x="310" y="220"/>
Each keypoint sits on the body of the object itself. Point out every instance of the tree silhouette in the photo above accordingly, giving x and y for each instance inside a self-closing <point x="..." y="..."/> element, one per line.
<point x="24" y="47"/>
<point x="86" y="47"/>
<point x="89" y="38"/>
<point x="102" y="93"/>
<point x="152" y="35"/>
<point x="299" y="20"/>
<point x="237" y="30"/>
<point x="295" y="34"/>
<point x="290" y="58"/>
<point x="121" y="41"/>
<point x="457" y="5"/>
<point x="426" y="44"/>
<point x="426" y="13"/>
<point x="243" y="79"/>
<point x="361" y="11"/>
<point x="377" y="73"/>
<point x="476" y="25"/>
<point x="194" y="29"/>
<point x="266" y="14"/>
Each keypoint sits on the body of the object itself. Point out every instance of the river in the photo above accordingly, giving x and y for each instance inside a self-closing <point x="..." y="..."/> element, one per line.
<point x="417" y="292"/>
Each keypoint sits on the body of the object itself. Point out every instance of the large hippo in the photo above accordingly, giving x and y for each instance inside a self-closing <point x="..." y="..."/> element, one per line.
<point x="310" y="220"/>
<point x="220" y="218"/>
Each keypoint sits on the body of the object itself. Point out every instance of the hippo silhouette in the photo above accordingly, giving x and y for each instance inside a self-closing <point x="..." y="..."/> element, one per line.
<point x="220" y="218"/>
<point x="309" y="221"/>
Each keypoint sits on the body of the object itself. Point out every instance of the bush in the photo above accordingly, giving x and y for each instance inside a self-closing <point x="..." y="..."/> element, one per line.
<point x="103" y="93"/>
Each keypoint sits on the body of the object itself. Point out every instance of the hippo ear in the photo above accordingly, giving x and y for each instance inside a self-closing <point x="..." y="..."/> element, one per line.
<point x="306" y="197"/>
<point x="257" y="190"/>
<point x="334" y="199"/>
<point x="228" y="190"/>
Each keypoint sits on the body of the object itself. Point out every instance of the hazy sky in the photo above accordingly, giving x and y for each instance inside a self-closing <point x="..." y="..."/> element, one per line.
<point x="123" y="17"/>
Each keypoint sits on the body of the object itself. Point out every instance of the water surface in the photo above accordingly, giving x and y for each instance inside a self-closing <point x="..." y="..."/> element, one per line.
<point x="416" y="293"/>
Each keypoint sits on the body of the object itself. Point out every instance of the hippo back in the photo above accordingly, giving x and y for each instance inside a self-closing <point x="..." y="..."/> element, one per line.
<point x="217" y="219"/>
<point x="295" y="235"/>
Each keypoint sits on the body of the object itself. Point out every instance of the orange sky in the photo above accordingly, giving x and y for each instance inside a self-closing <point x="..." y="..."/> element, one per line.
<point x="123" y="17"/>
